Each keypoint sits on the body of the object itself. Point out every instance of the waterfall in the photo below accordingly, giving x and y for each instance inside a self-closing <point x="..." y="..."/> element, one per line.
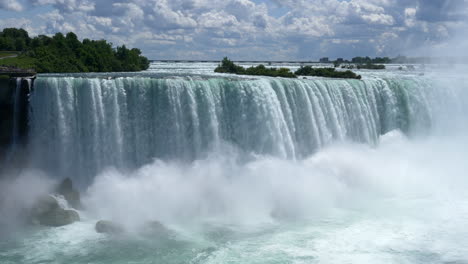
<point x="16" y="113"/>
<point x="16" y="122"/>
<point x="79" y="126"/>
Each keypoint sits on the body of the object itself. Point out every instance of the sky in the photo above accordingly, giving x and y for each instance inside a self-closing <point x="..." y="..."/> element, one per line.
<point x="253" y="29"/>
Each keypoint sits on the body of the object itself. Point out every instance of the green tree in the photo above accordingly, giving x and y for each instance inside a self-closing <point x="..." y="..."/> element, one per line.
<point x="66" y="53"/>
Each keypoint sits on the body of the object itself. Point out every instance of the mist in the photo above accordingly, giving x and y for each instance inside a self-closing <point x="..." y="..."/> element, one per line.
<point x="18" y="193"/>
<point x="343" y="176"/>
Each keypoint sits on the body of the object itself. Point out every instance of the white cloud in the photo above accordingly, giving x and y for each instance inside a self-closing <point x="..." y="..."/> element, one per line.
<point x="67" y="5"/>
<point x="307" y="26"/>
<point x="378" y="19"/>
<point x="17" y="22"/>
<point x="13" y="5"/>
<point x="245" y="28"/>
<point x="215" y="19"/>
<point x="410" y="17"/>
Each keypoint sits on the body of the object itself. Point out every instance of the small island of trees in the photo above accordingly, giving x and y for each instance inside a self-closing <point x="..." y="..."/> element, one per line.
<point x="362" y="63"/>
<point x="326" y="72"/>
<point x="228" y="66"/>
<point x="66" y="53"/>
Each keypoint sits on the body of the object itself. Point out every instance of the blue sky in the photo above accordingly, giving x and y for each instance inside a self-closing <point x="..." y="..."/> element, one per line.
<point x="253" y="29"/>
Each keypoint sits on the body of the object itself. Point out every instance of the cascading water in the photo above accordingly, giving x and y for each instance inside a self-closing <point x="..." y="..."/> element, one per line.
<point x="261" y="170"/>
<point x="16" y="112"/>
<point x="19" y="110"/>
<point x="82" y="125"/>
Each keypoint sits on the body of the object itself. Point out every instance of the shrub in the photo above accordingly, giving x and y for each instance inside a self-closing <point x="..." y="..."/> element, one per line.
<point x="326" y="72"/>
<point x="228" y="66"/>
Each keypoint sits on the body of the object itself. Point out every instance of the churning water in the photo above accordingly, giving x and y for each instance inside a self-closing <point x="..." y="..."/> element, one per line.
<point x="249" y="170"/>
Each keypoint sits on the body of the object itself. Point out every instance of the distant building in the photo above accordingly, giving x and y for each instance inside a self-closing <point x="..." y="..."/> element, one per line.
<point x="338" y="62"/>
<point x="325" y="60"/>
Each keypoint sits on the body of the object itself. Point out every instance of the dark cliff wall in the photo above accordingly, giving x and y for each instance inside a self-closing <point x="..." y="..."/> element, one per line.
<point x="7" y="91"/>
<point x="13" y="103"/>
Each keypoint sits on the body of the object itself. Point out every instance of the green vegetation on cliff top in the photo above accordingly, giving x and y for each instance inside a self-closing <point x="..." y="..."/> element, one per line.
<point x="65" y="53"/>
<point x="228" y="66"/>
<point x="326" y="72"/>
<point x="6" y="54"/>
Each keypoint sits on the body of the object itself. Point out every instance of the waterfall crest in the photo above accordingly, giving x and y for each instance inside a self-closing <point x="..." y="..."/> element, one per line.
<point x="82" y="125"/>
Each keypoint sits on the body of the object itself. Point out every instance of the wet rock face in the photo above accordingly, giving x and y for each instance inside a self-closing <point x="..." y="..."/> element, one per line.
<point x="58" y="218"/>
<point x="14" y="117"/>
<point x="108" y="227"/>
<point x="48" y="212"/>
<point x="45" y="204"/>
<point x="6" y="111"/>
<point x="69" y="193"/>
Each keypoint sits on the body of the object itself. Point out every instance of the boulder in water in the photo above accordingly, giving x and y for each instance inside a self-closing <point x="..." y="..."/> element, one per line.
<point x="47" y="211"/>
<point x="154" y="227"/>
<point x="71" y="195"/>
<point x="45" y="204"/>
<point x="58" y="217"/>
<point x="108" y="227"/>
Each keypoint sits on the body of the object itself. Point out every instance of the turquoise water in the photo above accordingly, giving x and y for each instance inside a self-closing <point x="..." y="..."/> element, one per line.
<point x="243" y="170"/>
<point x="378" y="238"/>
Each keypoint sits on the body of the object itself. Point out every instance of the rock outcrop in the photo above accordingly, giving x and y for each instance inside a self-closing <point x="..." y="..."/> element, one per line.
<point x="47" y="212"/>
<point x="69" y="193"/>
<point x="154" y="228"/>
<point x="109" y="227"/>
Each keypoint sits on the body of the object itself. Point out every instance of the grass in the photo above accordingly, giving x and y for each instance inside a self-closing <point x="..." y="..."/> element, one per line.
<point x="22" y="62"/>
<point x="7" y="53"/>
